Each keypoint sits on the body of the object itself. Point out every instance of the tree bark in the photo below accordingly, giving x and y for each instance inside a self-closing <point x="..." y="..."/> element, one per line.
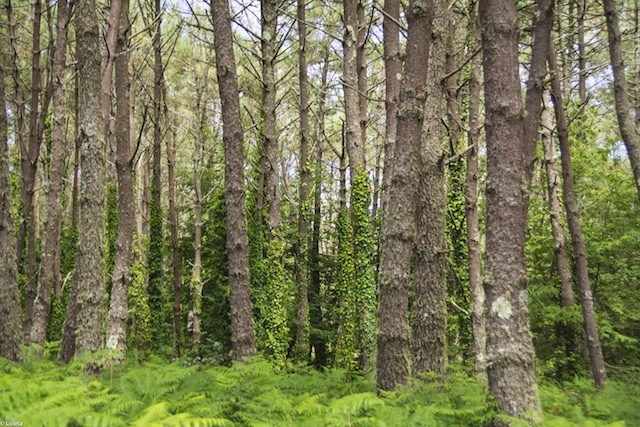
<point x="89" y="273"/>
<point x="119" y="307"/>
<point x="10" y="327"/>
<point x="317" y="341"/>
<point x="50" y="246"/>
<point x="242" y="334"/>
<point x="471" y="206"/>
<point x="399" y="223"/>
<point x="361" y="66"/>
<point x="510" y="352"/>
<point x="393" y="75"/>
<point x="596" y="361"/>
<point x="628" y="129"/>
<point x="429" y="309"/>
<point x="559" y="242"/>
<point x="302" y="350"/>
<point x="269" y="11"/>
<point x="29" y="165"/>
<point x="173" y="224"/>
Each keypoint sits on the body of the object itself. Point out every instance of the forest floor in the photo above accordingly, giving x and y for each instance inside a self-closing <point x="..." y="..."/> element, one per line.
<point x="187" y="393"/>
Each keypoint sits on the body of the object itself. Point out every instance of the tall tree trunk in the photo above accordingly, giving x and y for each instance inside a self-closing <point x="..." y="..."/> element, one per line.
<point x="553" y="181"/>
<point x="510" y="352"/>
<point x="76" y="150"/>
<point x="173" y="224"/>
<point x="89" y="273"/>
<point x="113" y="25"/>
<point x="472" y="176"/>
<point x="399" y="215"/>
<point x="118" y="309"/>
<point x="269" y="10"/>
<point x="535" y="86"/>
<point x="628" y="129"/>
<point x="317" y="341"/>
<point x="29" y="165"/>
<point x="429" y="309"/>
<point x="201" y="83"/>
<point x="10" y="328"/>
<point x="392" y="74"/>
<point x="42" y="303"/>
<point x="582" y="58"/>
<point x="302" y="279"/>
<point x="242" y="334"/>
<point x="361" y="66"/>
<point x="596" y="361"/>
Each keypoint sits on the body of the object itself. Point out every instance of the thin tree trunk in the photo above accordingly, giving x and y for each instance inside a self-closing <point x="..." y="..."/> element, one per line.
<point x="628" y="129"/>
<point x="42" y="303"/>
<point x="173" y="224"/>
<point x="582" y="58"/>
<point x="361" y="65"/>
<point x="429" y="309"/>
<point x="557" y="231"/>
<point x="269" y="10"/>
<point x="302" y="350"/>
<point x="393" y="74"/>
<point x="29" y="163"/>
<point x="399" y="223"/>
<point x="510" y="353"/>
<point x="76" y="150"/>
<point x="317" y="341"/>
<point x="118" y="309"/>
<point x="242" y="334"/>
<point x="471" y="206"/>
<point x="596" y="361"/>
<point x="89" y="273"/>
<point x="10" y="327"/>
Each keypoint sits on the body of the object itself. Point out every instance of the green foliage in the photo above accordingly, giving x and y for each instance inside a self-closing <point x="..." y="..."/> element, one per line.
<point x="68" y="251"/>
<point x="42" y="393"/>
<point x="364" y="258"/>
<point x="139" y="321"/>
<point x="111" y="231"/>
<point x="274" y="311"/>
<point x="155" y="265"/>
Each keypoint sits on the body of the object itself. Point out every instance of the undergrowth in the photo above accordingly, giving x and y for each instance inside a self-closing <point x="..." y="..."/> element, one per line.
<point x="44" y="393"/>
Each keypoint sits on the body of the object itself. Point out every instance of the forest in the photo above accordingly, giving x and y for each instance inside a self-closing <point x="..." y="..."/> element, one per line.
<point x="320" y="213"/>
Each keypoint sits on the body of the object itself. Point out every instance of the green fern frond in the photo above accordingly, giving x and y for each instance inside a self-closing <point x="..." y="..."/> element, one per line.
<point x="151" y="414"/>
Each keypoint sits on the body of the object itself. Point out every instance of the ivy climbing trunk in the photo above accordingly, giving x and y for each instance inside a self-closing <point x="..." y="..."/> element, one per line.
<point x="242" y="334"/>
<point x="399" y="215"/>
<point x="596" y="361"/>
<point x="10" y="328"/>
<point x="119" y="307"/>
<point x="510" y="353"/>
<point x="429" y="309"/>
<point x="50" y="245"/>
<point x="89" y="274"/>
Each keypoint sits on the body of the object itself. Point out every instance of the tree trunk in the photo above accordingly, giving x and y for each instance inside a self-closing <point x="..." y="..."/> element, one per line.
<point x="302" y="337"/>
<point x="511" y="357"/>
<point x="10" y="328"/>
<point x="242" y="334"/>
<point x="471" y="206"/>
<point x="76" y="150"/>
<point x="201" y="83"/>
<point x="173" y="224"/>
<point x="29" y="165"/>
<point x="118" y="309"/>
<point x="361" y="66"/>
<point x="50" y="246"/>
<point x="89" y="273"/>
<point x="553" y="180"/>
<point x="628" y="129"/>
<point x="399" y="216"/>
<point x="429" y="309"/>
<point x="393" y="75"/>
<point x="596" y="361"/>
<point x="317" y="341"/>
<point x="269" y="11"/>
